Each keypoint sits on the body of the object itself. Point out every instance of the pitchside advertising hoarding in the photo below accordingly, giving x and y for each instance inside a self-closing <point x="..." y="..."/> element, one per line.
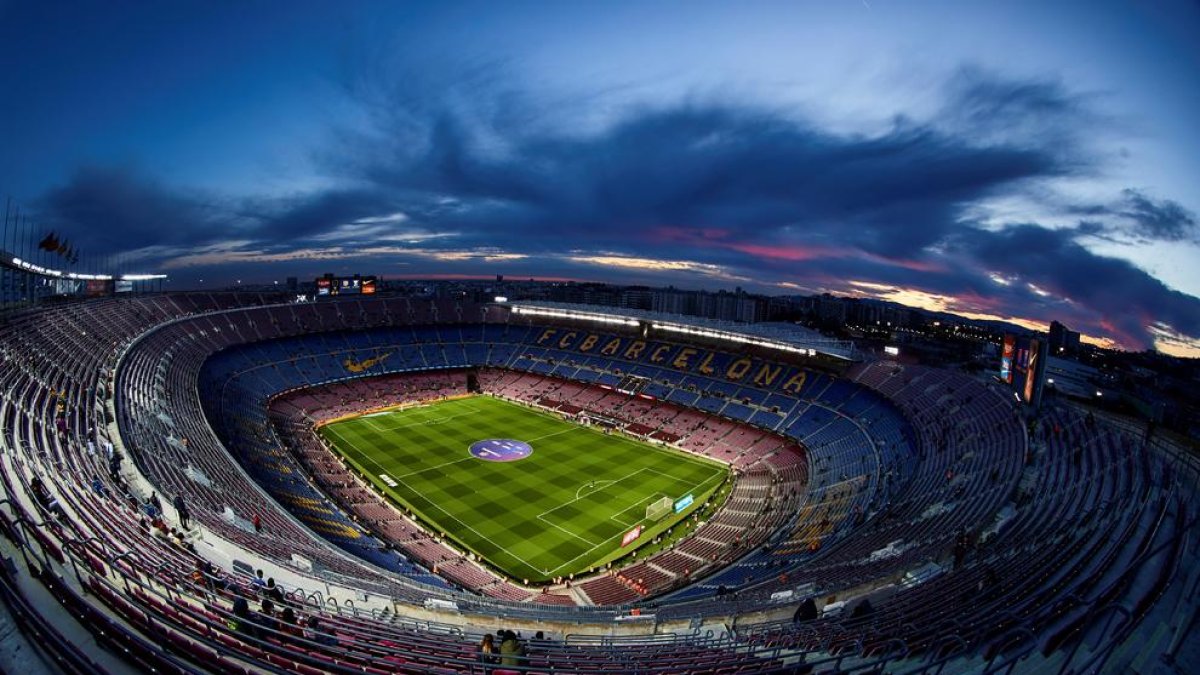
<point x="631" y="535"/>
<point x="683" y="503"/>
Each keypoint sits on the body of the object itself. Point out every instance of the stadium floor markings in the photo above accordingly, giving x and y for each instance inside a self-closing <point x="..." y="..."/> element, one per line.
<point x="590" y="551"/>
<point x="585" y="553"/>
<point x="589" y="542"/>
<point x="369" y="447"/>
<point x="592" y="484"/>
<point x="430" y="468"/>
<point x="457" y="519"/>
<point x="610" y="484"/>
<point x="556" y="433"/>
<point x="433" y="420"/>
<point x="656" y="495"/>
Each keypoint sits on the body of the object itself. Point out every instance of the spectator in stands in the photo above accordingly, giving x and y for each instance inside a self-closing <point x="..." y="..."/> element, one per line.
<point x="158" y="529"/>
<point x="257" y="521"/>
<point x="988" y="581"/>
<point x="487" y="653"/>
<point x="98" y="487"/>
<point x="288" y="624"/>
<point x="114" y="465"/>
<point x="273" y="591"/>
<point x="258" y="581"/>
<point x="44" y="498"/>
<point x="961" y="544"/>
<point x="807" y="611"/>
<point x="240" y="621"/>
<point x="123" y="490"/>
<point x="314" y="633"/>
<point x="863" y="610"/>
<point x="181" y="510"/>
<point x="200" y="575"/>
<point x="266" y="618"/>
<point x="512" y="652"/>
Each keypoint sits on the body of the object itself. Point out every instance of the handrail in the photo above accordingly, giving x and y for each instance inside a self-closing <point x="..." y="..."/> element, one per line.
<point x="1011" y="638"/>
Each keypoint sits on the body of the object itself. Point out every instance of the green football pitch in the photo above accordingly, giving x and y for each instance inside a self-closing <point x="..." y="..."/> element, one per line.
<point x="562" y="509"/>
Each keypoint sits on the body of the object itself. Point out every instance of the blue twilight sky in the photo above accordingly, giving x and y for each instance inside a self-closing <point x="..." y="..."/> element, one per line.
<point x="1021" y="160"/>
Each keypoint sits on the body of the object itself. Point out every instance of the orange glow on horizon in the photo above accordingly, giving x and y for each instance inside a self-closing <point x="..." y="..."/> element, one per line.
<point x="935" y="302"/>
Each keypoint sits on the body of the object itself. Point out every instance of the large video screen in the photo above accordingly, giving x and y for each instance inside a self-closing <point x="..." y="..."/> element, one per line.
<point x="1031" y="370"/>
<point x="1006" y="358"/>
<point x="1022" y="365"/>
<point x="352" y="285"/>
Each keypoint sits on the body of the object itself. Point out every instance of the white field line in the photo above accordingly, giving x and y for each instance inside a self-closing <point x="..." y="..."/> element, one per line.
<point x="592" y="484"/>
<point x="556" y="433"/>
<point x="431" y="468"/>
<point x="439" y="508"/>
<point x="433" y="420"/>
<point x="618" y="535"/>
<point x="653" y="497"/>
<point x="589" y="542"/>
<point x="610" y="484"/>
<point x="578" y="497"/>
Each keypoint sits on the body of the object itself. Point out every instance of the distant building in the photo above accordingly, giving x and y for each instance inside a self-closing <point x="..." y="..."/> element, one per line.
<point x="722" y="305"/>
<point x="1062" y="340"/>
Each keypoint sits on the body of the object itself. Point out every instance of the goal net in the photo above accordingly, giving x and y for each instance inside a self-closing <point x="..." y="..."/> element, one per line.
<point x="658" y="510"/>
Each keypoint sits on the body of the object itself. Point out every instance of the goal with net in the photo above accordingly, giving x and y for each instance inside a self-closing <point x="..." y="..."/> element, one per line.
<point x="658" y="510"/>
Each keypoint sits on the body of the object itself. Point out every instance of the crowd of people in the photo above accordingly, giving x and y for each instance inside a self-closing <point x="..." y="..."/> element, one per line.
<point x="510" y="652"/>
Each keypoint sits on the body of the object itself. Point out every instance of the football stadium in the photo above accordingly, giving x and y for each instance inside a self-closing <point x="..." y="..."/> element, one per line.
<point x="414" y="471"/>
<point x="604" y="338"/>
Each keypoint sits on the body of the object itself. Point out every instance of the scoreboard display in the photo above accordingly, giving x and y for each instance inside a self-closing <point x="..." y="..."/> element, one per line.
<point x="1023" y="367"/>
<point x="356" y="285"/>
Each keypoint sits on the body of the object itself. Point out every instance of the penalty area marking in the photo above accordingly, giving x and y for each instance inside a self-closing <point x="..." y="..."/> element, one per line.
<point x="426" y="407"/>
<point x="435" y="505"/>
<point x="617" y="536"/>
<point x="593" y="484"/>
<point x="375" y="424"/>
<point x="556" y="433"/>
<point x="589" y="542"/>
<point x="657" y="495"/>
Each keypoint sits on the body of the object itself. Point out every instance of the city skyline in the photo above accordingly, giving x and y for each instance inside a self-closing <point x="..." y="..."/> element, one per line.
<point x="1013" y="162"/>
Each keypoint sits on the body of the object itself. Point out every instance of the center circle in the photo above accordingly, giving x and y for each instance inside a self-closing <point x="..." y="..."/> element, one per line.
<point x="500" y="450"/>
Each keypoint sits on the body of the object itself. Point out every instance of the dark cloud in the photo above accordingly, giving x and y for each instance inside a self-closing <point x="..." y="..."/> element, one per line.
<point x="752" y="173"/>
<point x="108" y="209"/>
<point x="297" y="218"/>
<point x="989" y="108"/>
<point x="1122" y="299"/>
<point x="1158" y="220"/>
<point x="732" y="193"/>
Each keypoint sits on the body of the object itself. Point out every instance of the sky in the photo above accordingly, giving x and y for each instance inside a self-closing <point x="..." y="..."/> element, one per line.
<point x="1026" y="161"/>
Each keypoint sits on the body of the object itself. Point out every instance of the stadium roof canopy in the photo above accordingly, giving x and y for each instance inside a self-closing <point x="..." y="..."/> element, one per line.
<point x="787" y="337"/>
<point x="9" y="260"/>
